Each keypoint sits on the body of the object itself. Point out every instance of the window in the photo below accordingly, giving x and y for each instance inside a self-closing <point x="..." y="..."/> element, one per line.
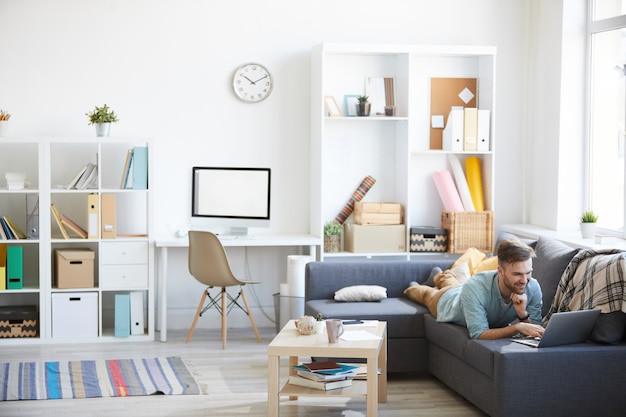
<point x="607" y="104"/>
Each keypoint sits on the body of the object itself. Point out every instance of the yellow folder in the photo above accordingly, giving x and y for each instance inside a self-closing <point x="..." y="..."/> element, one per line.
<point x="3" y="266"/>
<point x="474" y="182"/>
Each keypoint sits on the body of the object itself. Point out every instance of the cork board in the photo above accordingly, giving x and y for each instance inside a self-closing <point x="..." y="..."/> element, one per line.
<point x="445" y="93"/>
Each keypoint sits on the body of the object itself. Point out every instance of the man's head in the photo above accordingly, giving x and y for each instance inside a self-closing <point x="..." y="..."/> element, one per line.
<point x="514" y="265"/>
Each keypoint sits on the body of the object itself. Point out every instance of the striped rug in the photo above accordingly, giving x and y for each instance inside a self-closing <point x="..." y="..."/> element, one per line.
<point x="95" y="378"/>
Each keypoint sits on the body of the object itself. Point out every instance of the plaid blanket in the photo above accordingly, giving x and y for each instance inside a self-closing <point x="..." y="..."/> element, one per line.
<point x="594" y="279"/>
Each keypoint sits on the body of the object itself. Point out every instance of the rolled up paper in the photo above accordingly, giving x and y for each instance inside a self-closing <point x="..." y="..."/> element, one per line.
<point x="358" y="195"/>
<point x="474" y="182"/>
<point x="447" y="191"/>
<point x="461" y="182"/>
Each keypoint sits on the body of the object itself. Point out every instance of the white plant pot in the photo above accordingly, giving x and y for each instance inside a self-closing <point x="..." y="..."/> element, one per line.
<point x="588" y="230"/>
<point x="103" y="129"/>
<point x="4" y="127"/>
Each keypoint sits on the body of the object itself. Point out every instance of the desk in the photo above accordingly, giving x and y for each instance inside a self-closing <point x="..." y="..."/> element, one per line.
<point x="162" y="245"/>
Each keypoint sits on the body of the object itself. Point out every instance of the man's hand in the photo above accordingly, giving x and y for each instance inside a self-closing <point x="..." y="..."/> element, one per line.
<point x="519" y="303"/>
<point x="529" y="329"/>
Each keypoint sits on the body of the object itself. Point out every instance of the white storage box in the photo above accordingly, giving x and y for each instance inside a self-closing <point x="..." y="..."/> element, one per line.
<point x="74" y="315"/>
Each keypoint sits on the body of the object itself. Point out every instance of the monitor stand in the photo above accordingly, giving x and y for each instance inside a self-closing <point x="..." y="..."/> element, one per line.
<point x="238" y="231"/>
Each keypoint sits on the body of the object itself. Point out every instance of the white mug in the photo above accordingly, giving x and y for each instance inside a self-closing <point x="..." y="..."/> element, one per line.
<point x="334" y="328"/>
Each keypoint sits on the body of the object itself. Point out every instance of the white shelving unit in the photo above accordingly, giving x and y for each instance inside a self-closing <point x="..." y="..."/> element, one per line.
<point x="121" y="265"/>
<point x="395" y="151"/>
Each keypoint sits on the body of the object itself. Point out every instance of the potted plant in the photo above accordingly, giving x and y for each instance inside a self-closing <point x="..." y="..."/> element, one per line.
<point x="102" y="117"/>
<point x="332" y="237"/>
<point x="588" y="222"/>
<point x="363" y="106"/>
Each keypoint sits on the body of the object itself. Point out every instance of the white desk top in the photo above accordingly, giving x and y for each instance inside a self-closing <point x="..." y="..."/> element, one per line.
<point x="250" y="240"/>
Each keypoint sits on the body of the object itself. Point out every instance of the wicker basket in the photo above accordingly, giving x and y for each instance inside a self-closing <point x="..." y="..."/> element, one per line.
<point x="468" y="230"/>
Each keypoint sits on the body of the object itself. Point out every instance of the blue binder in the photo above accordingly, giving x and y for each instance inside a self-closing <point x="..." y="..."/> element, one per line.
<point x="122" y="315"/>
<point x="15" y="269"/>
<point x="140" y="168"/>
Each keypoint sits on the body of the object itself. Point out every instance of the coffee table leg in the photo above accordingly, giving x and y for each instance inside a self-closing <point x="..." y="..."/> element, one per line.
<point x="382" y="363"/>
<point x="293" y="361"/>
<point x="273" y="380"/>
<point x="372" y="387"/>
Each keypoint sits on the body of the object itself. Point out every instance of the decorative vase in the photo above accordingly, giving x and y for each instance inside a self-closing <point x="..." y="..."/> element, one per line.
<point x="588" y="230"/>
<point x="363" y="109"/>
<point x="103" y="129"/>
<point x="4" y="127"/>
<point x="332" y="243"/>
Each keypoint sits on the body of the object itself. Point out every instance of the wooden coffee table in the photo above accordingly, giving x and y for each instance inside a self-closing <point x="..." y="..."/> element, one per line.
<point x="294" y="345"/>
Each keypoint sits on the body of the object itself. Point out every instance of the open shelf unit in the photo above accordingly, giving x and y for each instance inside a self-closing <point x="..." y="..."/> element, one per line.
<point x="122" y="264"/>
<point x="395" y="151"/>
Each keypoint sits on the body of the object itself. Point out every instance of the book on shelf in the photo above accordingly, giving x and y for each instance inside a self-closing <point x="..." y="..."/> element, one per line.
<point x="341" y="372"/>
<point x="86" y="178"/>
<point x="320" y="385"/>
<point x="322" y="366"/>
<point x="66" y="221"/>
<point x="126" y="171"/>
<point x="57" y="217"/>
<point x="14" y="229"/>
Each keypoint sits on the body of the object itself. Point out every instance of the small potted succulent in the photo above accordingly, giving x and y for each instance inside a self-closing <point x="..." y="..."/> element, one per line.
<point x="588" y="222"/>
<point x="363" y="106"/>
<point x="102" y="117"/>
<point x="332" y="237"/>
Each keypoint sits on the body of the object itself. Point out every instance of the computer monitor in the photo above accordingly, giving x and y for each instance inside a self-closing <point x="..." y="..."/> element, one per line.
<point x="237" y="198"/>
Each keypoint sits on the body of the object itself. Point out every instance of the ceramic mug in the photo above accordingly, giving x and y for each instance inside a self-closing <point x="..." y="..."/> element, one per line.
<point x="334" y="328"/>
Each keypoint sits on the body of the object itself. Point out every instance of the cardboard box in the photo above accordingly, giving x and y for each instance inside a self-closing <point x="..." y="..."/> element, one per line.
<point x="428" y="239"/>
<point x="74" y="268"/>
<point x="377" y="213"/>
<point x="374" y="238"/>
<point x="18" y="321"/>
<point x="468" y="230"/>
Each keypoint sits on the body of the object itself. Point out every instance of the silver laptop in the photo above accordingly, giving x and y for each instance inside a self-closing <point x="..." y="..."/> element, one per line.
<point x="564" y="328"/>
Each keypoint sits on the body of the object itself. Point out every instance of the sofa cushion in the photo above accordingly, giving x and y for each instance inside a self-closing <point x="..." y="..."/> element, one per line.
<point x="361" y="293"/>
<point x="609" y="328"/>
<point x="404" y="318"/>
<point x="472" y="256"/>
<point x="552" y="258"/>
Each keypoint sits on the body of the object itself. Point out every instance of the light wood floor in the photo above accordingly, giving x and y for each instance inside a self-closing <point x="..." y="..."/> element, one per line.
<point x="234" y="381"/>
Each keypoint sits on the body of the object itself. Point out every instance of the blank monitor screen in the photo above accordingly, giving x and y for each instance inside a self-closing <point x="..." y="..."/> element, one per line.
<point x="231" y="193"/>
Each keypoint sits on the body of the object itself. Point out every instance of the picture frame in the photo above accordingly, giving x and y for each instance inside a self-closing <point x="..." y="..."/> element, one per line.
<point x="350" y="101"/>
<point x="332" y="107"/>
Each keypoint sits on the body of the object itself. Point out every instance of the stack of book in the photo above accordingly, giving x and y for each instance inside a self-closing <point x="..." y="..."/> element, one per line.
<point x="324" y="376"/>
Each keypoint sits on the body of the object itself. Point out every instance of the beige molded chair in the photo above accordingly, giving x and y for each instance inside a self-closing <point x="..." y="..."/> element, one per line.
<point x="209" y="265"/>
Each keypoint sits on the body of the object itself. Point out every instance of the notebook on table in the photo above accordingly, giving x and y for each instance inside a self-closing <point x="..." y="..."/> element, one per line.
<point x="564" y="328"/>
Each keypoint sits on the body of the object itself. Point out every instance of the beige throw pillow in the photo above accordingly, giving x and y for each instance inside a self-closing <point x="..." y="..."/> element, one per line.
<point x="361" y="293"/>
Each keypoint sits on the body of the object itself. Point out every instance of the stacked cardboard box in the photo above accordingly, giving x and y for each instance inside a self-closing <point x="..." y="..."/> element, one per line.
<point x="378" y="228"/>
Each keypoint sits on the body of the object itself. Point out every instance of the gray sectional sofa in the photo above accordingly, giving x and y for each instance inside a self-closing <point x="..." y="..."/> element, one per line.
<point x="500" y="377"/>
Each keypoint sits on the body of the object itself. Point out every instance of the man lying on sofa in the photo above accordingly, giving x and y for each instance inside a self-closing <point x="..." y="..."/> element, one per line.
<point x="492" y="304"/>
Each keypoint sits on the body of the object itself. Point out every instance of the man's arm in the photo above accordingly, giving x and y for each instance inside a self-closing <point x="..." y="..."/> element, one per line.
<point x="527" y="329"/>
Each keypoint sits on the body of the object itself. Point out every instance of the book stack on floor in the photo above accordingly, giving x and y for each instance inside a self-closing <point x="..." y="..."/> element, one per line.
<point x="323" y="376"/>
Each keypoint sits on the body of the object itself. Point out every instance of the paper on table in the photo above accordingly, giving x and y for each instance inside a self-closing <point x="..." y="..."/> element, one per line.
<point x="357" y="335"/>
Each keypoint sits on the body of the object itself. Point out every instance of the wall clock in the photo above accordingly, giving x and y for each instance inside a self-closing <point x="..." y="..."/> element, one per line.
<point x="252" y="83"/>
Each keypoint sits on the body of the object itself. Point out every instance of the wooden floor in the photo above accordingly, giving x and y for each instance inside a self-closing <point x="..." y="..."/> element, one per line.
<point x="234" y="382"/>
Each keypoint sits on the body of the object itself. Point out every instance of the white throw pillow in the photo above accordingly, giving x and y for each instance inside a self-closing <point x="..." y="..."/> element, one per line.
<point x="361" y="293"/>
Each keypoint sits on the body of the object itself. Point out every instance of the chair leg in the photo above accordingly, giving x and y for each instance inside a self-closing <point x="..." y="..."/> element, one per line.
<point x="195" y="319"/>
<point x="224" y="314"/>
<point x="245" y="301"/>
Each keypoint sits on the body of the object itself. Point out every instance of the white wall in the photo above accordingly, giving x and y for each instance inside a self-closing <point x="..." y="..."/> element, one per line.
<point x="166" y="68"/>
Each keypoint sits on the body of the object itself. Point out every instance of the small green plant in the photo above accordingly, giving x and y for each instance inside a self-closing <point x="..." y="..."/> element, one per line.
<point x="363" y="99"/>
<point x="589" y="217"/>
<point x="332" y="228"/>
<point x="319" y="317"/>
<point x="102" y="114"/>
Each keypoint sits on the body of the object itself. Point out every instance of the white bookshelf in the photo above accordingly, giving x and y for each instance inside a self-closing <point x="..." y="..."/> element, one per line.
<point x="394" y="150"/>
<point x="121" y="265"/>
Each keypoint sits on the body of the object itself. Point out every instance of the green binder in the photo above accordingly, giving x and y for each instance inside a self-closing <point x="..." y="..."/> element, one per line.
<point x="15" y="270"/>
